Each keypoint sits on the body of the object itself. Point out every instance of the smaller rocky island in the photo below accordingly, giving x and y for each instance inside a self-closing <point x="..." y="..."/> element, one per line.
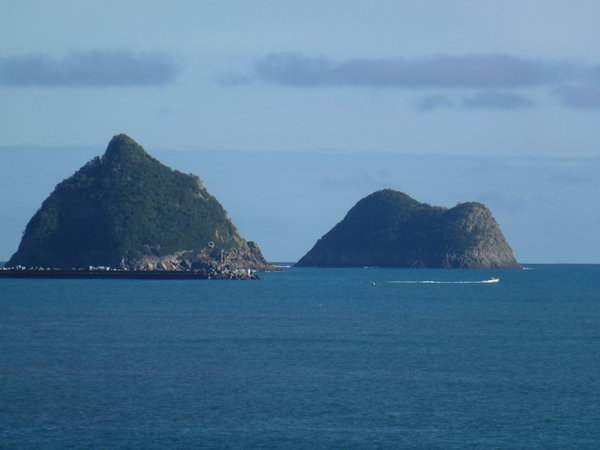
<point x="126" y="215"/>
<point x="390" y="229"/>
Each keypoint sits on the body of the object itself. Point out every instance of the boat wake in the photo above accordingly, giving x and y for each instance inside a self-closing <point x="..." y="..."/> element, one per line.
<point x="444" y="282"/>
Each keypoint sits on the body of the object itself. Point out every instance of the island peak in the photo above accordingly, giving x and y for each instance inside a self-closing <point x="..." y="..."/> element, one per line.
<point x="126" y="210"/>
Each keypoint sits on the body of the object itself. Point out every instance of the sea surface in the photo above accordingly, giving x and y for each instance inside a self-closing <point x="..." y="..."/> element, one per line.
<point x="306" y="358"/>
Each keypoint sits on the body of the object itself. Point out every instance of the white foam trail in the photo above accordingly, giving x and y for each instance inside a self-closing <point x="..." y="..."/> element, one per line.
<point x="439" y="282"/>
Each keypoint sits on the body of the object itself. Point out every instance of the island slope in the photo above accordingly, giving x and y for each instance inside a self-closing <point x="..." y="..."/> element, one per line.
<point x="126" y="210"/>
<point x="390" y="229"/>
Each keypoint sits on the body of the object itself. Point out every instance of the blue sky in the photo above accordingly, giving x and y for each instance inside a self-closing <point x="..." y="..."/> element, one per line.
<point x="293" y="111"/>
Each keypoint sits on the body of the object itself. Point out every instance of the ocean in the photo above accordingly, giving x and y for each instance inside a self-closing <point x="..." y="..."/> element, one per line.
<point x="306" y="358"/>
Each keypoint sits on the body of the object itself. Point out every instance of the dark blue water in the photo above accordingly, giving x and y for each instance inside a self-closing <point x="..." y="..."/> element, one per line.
<point x="308" y="358"/>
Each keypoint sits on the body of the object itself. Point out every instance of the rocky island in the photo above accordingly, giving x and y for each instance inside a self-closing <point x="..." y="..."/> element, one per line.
<point x="390" y="229"/>
<point x="126" y="215"/>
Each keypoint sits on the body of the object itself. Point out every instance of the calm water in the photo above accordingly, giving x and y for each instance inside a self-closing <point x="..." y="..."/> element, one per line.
<point x="308" y="358"/>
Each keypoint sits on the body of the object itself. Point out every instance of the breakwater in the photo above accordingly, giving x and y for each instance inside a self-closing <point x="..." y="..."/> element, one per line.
<point x="109" y="273"/>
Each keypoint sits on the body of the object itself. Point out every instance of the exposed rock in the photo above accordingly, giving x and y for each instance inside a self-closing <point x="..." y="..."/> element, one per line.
<point x="249" y="257"/>
<point x="390" y="229"/>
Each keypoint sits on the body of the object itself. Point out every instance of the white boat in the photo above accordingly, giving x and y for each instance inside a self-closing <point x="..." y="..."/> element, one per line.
<point x="492" y="280"/>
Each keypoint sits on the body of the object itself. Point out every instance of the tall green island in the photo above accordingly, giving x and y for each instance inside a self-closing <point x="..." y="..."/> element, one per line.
<point x="124" y="212"/>
<point x="390" y="229"/>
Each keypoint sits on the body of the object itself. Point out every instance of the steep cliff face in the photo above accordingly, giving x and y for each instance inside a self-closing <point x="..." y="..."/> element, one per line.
<point x="390" y="229"/>
<point x="127" y="210"/>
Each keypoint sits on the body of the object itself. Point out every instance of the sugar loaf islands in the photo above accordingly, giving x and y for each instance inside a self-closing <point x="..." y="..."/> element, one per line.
<point x="126" y="215"/>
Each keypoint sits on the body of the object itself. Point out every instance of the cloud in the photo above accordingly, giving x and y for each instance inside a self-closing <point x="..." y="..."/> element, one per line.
<point x="570" y="178"/>
<point x="435" y="102"/>
<point x="475" y="81"/>
<point x="353" y="180"/>
<point x="488" y="99"/>
<point x="582" y="94"/>
<point x="496" y="100"/>
<point x="486" y="71"/>
<point x="234" y="79"/>
<point x="93" y="68"/>
<point x="513" y="202"/>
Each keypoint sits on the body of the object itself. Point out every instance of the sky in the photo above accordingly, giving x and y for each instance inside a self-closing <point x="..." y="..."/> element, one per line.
<point x="292" y="111"/>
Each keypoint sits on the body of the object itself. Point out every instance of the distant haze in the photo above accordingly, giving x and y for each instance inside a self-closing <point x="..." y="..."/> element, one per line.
<point x="286" y="201"/>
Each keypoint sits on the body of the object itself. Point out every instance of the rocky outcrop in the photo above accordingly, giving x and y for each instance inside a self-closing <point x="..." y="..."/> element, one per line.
<point x="126" y="210"/>
<point x="390" y="229"/>
<point x="234" y="259"/>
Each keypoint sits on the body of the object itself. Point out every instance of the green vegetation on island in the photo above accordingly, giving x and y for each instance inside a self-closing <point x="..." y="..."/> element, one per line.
<point x="390" y="229"/>
<point x="127" y="210"/>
